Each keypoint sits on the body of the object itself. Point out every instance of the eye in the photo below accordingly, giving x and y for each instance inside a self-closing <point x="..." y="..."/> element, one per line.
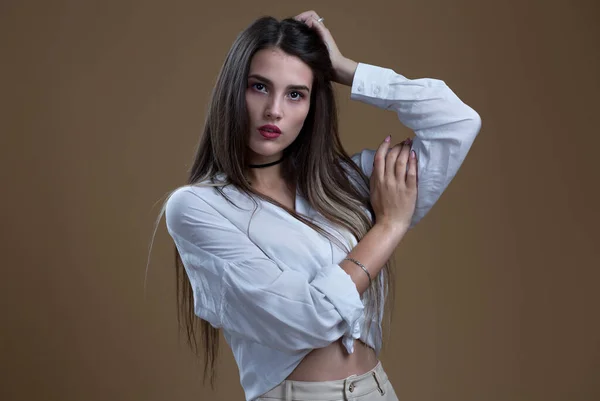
<point x="296" y="95"/>
<point x="259" y="87"/>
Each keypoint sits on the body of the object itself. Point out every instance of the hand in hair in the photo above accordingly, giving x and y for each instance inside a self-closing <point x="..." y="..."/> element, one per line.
<point x="393" y="185"/>
<point x="343" y="67"/>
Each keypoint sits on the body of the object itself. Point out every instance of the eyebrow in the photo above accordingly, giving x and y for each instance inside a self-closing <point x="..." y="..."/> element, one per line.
<point x="269" y="82"/>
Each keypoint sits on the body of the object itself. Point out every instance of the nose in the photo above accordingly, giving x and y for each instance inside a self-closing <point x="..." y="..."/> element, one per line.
<point x="274" y="110"/>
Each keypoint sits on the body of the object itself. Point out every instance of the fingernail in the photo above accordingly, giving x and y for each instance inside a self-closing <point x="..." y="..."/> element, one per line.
<point x="388" y="138"/>
<point x="413" y="154"/>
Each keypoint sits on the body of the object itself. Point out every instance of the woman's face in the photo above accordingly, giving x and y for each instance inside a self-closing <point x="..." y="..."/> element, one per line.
<point x="278" y="100"/>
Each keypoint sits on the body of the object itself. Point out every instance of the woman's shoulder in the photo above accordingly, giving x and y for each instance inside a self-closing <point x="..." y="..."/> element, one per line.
<point x="194" y="195"/>
<point x="189" y="203"/>
<point x="185" y="200"/>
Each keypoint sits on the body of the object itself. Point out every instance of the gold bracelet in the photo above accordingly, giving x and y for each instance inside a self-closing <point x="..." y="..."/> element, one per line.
<point x="356" y="262"/>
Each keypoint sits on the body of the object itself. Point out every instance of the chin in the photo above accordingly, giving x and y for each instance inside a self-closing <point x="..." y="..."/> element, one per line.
<point x="266" y="149"/>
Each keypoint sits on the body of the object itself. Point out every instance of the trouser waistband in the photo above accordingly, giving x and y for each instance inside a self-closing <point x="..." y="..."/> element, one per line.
<point x="352" y="386"/>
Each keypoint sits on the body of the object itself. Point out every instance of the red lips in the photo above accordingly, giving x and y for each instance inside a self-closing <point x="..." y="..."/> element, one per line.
<point x="270" y="128"/>
<point x="270" y="131"/>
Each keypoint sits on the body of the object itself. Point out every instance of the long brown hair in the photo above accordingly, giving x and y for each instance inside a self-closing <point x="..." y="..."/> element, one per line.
<point x="315" y="162"/>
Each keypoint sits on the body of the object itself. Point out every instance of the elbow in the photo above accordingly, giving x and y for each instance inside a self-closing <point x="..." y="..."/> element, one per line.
<point x="476" y="121"/>
<point x="473" y="122"/>
<point x="472" y="126"/>
<point x="468" y="127"/>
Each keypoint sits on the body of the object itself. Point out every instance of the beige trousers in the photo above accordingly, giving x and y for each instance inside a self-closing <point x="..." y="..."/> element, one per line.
<point x="371" y="386"/>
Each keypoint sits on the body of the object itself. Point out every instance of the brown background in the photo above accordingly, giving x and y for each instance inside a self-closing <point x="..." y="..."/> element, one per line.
<point x="102" y="105"/>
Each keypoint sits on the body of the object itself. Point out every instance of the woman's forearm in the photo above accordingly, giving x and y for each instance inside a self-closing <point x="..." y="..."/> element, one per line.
<point x="373" y="251"/>
<point x="344" y="71"/>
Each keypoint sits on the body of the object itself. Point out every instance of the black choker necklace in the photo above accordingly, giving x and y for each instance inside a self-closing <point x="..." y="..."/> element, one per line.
<point x="266" y="165"/>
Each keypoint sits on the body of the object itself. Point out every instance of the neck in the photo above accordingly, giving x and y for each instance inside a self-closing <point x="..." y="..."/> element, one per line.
<point x="264" y="165"/>
<point x="267" y="177"/>
<point x="265" y="172"/>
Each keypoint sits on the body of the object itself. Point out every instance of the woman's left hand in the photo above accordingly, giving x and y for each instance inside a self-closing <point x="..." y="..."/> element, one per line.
<point x="343" y="67"/>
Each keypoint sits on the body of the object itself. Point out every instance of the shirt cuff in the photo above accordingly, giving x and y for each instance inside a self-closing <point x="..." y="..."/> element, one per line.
<point x="371" y="81"/>
<point x="341" y="291"/>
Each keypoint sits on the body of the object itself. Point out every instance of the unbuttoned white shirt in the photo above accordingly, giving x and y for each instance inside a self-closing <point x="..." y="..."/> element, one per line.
<point x="273" y="284"/>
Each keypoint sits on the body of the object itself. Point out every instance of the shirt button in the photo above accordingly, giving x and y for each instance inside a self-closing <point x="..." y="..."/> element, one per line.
<point x="360" y="88"/>
<point x="351" y="387"/>
<point x="376" y="90"/>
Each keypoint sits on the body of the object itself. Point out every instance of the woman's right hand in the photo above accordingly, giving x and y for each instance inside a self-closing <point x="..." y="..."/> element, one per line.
<point x="393" y="186"/>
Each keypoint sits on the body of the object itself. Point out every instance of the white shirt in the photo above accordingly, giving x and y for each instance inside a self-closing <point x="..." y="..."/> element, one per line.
<point x="273" y="284"/>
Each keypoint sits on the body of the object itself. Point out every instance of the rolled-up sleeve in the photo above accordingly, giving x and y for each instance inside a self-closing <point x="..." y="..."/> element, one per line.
<point x="444" y="126"/>
<point x="237" y="288"/>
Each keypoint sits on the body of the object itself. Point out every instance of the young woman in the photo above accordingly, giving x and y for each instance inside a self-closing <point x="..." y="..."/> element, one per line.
<point x="284" y="238"/>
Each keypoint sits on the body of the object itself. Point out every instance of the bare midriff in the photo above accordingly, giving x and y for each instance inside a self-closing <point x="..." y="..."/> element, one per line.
<point x="333" y="363"/>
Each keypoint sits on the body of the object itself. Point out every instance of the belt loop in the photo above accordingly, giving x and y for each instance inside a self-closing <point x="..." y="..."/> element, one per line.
<point x="348" y="387"/>
<point x="288" y="390"/>
<point x="378" y="381"/>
